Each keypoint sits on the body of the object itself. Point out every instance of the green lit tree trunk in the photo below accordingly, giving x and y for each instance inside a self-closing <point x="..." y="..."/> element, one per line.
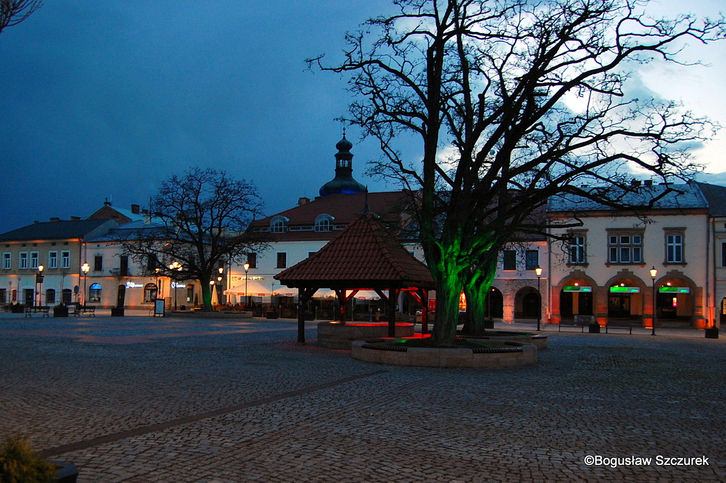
<point x="450" y="273"/>
<point x="476" y="289"/>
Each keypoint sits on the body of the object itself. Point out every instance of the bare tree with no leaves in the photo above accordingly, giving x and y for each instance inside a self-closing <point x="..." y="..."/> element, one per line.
<point x="514" y="102"/>
<point x="12" y="12"/>
<point x="199" y="222"/>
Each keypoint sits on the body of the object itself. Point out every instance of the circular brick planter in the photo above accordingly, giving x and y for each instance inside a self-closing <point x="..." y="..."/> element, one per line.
<point x="335" y="335"/>
<point x="539" y="340"/>
<point x="384" y="352"/>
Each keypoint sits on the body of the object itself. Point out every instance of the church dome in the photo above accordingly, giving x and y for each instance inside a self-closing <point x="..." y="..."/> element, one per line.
<point x="343" y="183"/>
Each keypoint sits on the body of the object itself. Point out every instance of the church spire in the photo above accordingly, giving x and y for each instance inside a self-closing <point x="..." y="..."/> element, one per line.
<point x="343" y="181"/>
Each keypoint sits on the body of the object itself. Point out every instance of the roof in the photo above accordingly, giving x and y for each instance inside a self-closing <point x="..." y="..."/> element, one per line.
<point x="716" y="197"/>
<point x="58" y="230"/>
<point x="365" y="255"/>
<point x="128" y="231"/>
<point x="122" y="215"/>
<point x="682" y="196"/>
<point x="344" y="208"/>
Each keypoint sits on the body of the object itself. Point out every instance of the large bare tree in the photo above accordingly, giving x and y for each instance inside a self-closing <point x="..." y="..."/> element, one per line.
<point x="12" y="12"/>
<point x="199" y="222"/>
<point x="513" y="102"/>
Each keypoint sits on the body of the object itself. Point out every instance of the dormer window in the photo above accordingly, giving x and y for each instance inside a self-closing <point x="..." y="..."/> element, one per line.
<point x="278" y="224"/>
<point x="324" y="223"/>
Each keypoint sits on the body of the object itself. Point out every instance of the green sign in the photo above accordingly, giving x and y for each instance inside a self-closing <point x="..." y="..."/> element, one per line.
<point x="576" y="288"/>
<point x="667" y="289"/>
<point x="619" y="289"/>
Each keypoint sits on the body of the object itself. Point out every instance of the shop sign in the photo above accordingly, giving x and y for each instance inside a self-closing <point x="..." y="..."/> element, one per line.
<point x="577" y="288"/>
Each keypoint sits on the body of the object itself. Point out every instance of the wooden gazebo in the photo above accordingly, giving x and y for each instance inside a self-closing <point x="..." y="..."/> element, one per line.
<point x="365" y="256"/>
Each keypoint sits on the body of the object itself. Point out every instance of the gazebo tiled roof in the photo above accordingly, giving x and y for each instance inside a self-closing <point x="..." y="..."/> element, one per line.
<point x="364" y="255"/>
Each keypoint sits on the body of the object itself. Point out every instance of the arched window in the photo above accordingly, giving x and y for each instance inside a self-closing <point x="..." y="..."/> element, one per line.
<point x="66" y="296"/>
<point x="49" y="296"/>
<point x="278" y="224"/>
<point x="94" y="292"/>
<point x="324" y="222"/>
<point x="150" y="291"/>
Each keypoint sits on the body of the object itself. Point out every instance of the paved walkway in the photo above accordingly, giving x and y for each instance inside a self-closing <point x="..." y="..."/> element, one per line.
<point x="143" y="399"/>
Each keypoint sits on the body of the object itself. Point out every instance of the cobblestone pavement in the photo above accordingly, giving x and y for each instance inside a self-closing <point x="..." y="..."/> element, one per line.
<point x="144" y="399"/>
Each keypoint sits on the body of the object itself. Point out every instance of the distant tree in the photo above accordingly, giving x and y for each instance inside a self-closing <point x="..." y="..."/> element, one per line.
<point x="12" y="12"/>
<point x="199" y="222"/>
<point x="513" y="102"/>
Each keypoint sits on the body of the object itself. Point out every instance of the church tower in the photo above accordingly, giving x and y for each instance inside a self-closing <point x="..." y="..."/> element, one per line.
<point x="343" y="182"/>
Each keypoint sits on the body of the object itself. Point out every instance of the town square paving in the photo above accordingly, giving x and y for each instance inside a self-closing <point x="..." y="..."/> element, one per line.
<point x="143" y="399"/>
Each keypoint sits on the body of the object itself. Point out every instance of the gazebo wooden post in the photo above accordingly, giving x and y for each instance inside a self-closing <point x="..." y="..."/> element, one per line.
<point x="303" y="295"/>
<point x="424" y="295"/>
<point x="392" y="312"/>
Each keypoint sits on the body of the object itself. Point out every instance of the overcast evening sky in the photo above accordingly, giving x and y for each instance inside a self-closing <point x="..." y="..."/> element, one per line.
<point x="106" y="99"/>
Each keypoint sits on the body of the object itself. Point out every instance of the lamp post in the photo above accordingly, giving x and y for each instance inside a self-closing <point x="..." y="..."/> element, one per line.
<point x="538" y="272"/>
<point x="175" y="267"/>
<point x="39" y="280"/>
<point x="219" y="282"/>
<point x="653" y="274"/>
<point x="85" y="268"/>
<point x="246" y="266"/>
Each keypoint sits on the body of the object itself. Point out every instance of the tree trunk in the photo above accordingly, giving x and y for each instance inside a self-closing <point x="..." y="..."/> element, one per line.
<point x="206" y="295"/>
<point x="476" y="289"/>
<point x="449" y="276"/>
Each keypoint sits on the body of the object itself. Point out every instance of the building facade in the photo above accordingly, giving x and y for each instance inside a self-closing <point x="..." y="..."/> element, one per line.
<point x="602" y="268"/>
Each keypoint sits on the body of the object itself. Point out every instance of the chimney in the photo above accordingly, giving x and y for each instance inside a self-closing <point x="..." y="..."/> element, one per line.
<point x="635" y="183"/>
<point x="303" y="201"/>
<point x="75" y="218"/>
<point x="54" y="218"/>
<point x="648" y="183"/>
<point x="135" y="209"/>
<point x="106" y="202"/>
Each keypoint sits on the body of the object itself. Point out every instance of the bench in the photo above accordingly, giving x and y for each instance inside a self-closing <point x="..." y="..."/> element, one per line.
<point x="43" y="309"/>
<point x="580" y="321"/>
<point x="81" y="310"/>
<point x="623" y="324"/>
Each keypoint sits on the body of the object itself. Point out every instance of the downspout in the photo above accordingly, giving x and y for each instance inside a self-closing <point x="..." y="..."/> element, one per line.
<point x="708" y="272"/>
<point x="716" y="318"/>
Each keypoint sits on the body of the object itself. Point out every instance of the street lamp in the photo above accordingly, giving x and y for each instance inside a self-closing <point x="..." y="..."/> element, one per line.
<point x="246" y="266"/>
<point x="39" y="280"/>
<point x="653" y="274"/>
<point x="175" y="267"/>
<point x="538" y="272"/>
<point x="85" y="268"/>
<point x="219" y="282"/>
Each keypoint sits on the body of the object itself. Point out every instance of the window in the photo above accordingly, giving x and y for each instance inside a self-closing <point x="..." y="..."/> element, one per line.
<point x="52" y="259"/>
<point x="674" y="247"/>
<point x="3" y="296"/>
<point x="252" y="259"/>
<point x="278" y="225"/>
<point x="23" y="260"/>
<point x="324" y="223"/>
<point x="33" y="259"/>
<point x="7" y="260"/>
<point x="98" y="263"/>
<point x="531" y="259"/>
<point x="151" y="264"/>
<point x="625" y="248"/>
<point x="49" y="296"/>
<point x="576" y="250"/>
<point x="281" y="259"/>
<point x="723" y="255"/>
<point x="67" y="296"/>
<point x="65" y="259"/>
<point x="510" y="260"/>
<point x="94" y="292"/>
<point x="124" y="266"/>
<point x="150" y="292"/>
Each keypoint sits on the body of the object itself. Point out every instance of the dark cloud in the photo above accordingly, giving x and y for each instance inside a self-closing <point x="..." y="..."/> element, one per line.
<point x="108" y="98"/>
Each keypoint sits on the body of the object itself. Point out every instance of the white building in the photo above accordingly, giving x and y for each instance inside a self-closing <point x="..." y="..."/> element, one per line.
<point x="604" y="270"/>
